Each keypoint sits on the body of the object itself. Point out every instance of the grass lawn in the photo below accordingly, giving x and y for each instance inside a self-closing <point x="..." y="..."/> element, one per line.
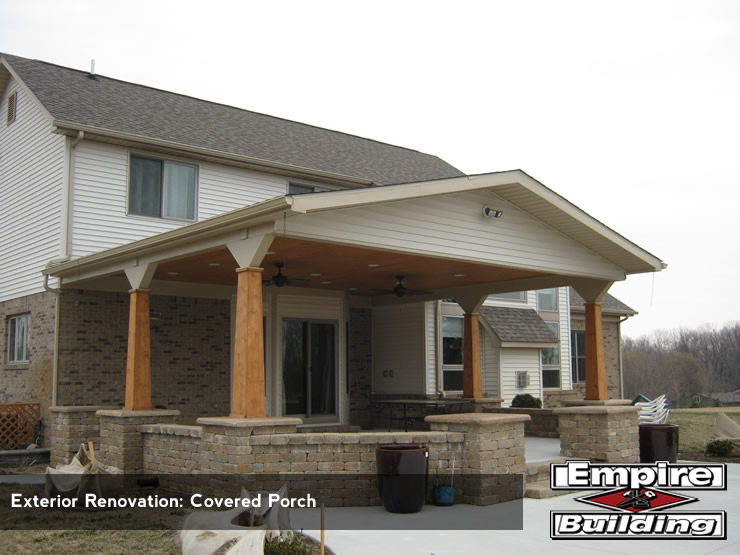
<point x="696" y="427"/>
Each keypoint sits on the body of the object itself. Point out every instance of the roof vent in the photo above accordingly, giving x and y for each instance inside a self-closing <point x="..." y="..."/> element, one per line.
<point x="12" y="107"/>
<point x="92" y="75"/>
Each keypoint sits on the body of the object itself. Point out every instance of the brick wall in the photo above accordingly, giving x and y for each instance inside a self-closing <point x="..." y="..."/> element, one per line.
<point x="32" y="382"/>
<point x="611" y="352"/>
<point x="190" y="341"/>
<point x="360" y="367"/>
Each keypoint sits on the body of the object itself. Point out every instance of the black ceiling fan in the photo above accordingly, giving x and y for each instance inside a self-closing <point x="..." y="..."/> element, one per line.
<point x="281" y="280"/>
<point x="400" y="289"/>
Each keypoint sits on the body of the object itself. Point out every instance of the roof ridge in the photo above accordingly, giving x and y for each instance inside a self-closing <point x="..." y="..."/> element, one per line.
<point x="149" y="87"/>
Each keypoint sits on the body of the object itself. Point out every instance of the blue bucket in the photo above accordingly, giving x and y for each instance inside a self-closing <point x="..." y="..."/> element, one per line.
<point x="444" y="496"/>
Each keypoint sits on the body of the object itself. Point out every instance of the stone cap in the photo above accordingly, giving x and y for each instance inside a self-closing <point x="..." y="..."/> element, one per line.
<point x="230" y="422"/>
<point x="603" y="403"/>
<point x="122" y="413"/>
<point x="477" y="418"/>
<point x="81" y="408"/>
<point x="171" y="429"/>
<point x="597" y="409"/>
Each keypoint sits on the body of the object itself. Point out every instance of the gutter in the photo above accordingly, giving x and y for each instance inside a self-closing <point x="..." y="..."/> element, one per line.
<point x="619" y="351"/>
<point x="254" y="163"/>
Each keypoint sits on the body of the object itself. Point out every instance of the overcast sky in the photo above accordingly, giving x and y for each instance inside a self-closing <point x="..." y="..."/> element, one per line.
<point x="629" y="109"/>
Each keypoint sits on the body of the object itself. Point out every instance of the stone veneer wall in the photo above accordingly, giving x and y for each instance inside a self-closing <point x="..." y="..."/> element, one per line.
<point x="381" y="413"/>
<point x="190" y="342"/>
<point x="360" y="367"/>
<point x="71" y="426"/>
<point x="31" y="382"/>
<point x="488" y="450"/>
<point x="600" y="433"/>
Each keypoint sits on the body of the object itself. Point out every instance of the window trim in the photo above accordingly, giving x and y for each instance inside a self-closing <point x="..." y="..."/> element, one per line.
<point x="14" y="343"/>
<point x="163" y="197"/>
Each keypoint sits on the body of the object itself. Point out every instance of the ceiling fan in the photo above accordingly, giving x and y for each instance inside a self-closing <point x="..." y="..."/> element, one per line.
<point x="281" y="280"/>
<point x="400" y="289"/>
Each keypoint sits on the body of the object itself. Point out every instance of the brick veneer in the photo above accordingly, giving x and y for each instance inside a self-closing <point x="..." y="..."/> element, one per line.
<point x="360" y="367"/>
<point x="600" y="433"/>
<point x="71" y="426"/>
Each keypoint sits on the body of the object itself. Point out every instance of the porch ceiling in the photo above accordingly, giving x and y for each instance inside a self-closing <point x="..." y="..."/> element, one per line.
<point x="340" y="267"/>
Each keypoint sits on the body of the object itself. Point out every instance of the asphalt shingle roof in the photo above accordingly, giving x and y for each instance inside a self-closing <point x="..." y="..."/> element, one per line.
<point x="517" y="325"/>
<point x="73" y="96"/>
<point x="609" y="304"/>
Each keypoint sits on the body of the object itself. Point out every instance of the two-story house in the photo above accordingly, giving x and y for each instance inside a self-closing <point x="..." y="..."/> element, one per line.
<point x="160" y="250"/>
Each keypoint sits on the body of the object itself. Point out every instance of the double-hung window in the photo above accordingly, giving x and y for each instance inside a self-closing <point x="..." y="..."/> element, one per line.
<point x="162" y="189"/>
<point x="547" y="300"/>
<point x="551" y="360"/>
<point x="452" y="353"/>
<point x="578" y="356"/>
<point x="19" y="338"/>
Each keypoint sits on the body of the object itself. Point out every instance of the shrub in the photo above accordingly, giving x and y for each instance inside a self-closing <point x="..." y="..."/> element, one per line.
<point x="719" y="448"/>
<point x="289" y="546"/>
<point x="526" y="401"/>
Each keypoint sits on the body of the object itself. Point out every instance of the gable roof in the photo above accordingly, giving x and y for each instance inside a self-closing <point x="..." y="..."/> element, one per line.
<point x="609" y="304"/>
<point x="516" y="325"/>
<point x="77" y="100"/>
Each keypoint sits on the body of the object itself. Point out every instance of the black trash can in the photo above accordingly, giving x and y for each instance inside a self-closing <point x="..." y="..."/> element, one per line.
<point x="402" y="476"/>
<point x="658" y="442"/>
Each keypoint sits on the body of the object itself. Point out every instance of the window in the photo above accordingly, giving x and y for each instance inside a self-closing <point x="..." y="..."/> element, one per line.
<point x="452" y="353"/>
<point x="12" y="107"/>
<point x="547" y="300"/>
<point x="578" y="356"/>
<point x="161" y="189"/>
<point x="514" y="296"/>
<point x="295" y="189"/>
<point x="19" y="338"/>
<point x="551" y="360"/>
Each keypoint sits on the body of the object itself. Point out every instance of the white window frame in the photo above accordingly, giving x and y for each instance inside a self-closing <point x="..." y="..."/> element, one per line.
<point x="18" y="334"/>
<point x="552" y="367"/>
<point x="163" y="185"/>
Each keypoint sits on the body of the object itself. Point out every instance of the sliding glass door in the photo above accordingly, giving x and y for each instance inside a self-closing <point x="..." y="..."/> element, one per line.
<point x="309" y="368"/>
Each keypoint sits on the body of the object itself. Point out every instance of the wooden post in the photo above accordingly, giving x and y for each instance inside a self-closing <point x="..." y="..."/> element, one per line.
<point x="596" y="386"/>
<point x="248" y="381"/>
<point x="472" y="375"/>
<point x="139" y="357"/>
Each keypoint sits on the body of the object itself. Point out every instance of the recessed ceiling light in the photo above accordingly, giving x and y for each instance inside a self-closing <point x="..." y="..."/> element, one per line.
<point x="459" y="275"/>
<point x="214" y="264"/>
<point x="270" y="252"/>
<point x="326" y="282"/>
<point x="373" y="265"/>
<point x="173" y="273"/>
<point x="353" y="288"/>
<point x="314" y="275"/>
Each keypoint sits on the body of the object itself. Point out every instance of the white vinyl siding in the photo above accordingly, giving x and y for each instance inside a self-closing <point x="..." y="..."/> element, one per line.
<point x="101" y="195"/>
<point x="564" y="322"/>
<point x="452" y="226"/>
<point x="399" y="350"/>
<point x="513" y="361"/>
<point x="430" y="319"/>
<point x="31" y="186"/>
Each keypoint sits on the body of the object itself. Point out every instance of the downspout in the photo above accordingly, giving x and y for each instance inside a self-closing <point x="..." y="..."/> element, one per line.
<point x="66" y="255"/>
<point x="619" y="351"/>
<point x="438" y="358"/>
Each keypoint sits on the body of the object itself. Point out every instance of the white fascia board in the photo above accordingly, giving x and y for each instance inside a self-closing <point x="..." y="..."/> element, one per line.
<point x="524" y="345"/>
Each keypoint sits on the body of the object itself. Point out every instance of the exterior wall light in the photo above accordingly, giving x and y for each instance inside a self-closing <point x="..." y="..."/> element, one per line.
<point x="489" y="212"/>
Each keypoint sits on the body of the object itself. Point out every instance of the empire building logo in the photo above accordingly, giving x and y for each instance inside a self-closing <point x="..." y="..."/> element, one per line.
<point x="636" y="493"/>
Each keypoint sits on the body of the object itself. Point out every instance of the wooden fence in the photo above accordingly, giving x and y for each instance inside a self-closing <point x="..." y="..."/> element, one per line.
<point x="18" y="424"/>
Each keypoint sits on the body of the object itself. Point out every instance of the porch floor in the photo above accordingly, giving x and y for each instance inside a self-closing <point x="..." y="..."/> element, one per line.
<point x="539" y="449"/>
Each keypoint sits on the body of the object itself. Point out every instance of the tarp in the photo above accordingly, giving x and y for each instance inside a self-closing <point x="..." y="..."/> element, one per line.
<point x="81" y="476"/>
<point x="727" y="428"/>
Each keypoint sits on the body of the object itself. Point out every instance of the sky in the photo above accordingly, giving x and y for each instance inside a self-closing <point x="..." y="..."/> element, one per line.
<point x="628" y="109"/>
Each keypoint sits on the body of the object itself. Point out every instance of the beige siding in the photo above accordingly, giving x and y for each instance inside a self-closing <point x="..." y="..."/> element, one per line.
<point x="101" y="195"/>
<point x="399" y="348"/>
<point x="514" y="360"/>
<point x="453" y="226"/>
<point x="430" y="311"/>
<point x="31" y="188"/>
<point x="564" y="320"/>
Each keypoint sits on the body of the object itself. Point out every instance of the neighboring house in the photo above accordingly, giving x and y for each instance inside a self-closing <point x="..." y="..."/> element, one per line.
<point x="703" y="400"/>
<point x="135" y="224"/>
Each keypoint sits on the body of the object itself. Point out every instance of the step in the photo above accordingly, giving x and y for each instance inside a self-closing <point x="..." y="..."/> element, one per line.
<point x="541" y="490"/>
<point x="540" y="470"/>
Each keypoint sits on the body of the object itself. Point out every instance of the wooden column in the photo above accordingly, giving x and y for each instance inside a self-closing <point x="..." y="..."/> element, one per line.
<point x="596" y="386"/>
<point x="248" y="380"/>
<point x="139" y="357"/>
<point x="472" y="375"/>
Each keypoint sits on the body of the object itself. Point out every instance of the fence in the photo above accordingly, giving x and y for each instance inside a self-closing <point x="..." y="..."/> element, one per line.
<point x="18" y="424"/>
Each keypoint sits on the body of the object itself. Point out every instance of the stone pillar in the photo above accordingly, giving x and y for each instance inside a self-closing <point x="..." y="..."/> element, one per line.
<point x="596" y="385"/>
<point x="139" y="357"/>
<point x="121" y="443"/>
<point x="248" y="378"/>
<point x="71" y="426"/>
<point x="493" y="465"/>
<point x="472" y="374"/>
<point x="600" y="433"/>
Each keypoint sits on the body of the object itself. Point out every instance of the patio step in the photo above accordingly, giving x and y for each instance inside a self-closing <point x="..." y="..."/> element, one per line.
<point x="537" y="480"/>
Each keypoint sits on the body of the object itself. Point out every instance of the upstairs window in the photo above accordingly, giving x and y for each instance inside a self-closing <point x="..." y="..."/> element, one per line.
<point x="551" y="360"/>
<point x="513" y="296"/>
<point x="12" y="107"/>
<point x="162" y="189"/>
<point x="547" y="300"/>
<point x="296" y="189"/>
<point x="19" y="338"/>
